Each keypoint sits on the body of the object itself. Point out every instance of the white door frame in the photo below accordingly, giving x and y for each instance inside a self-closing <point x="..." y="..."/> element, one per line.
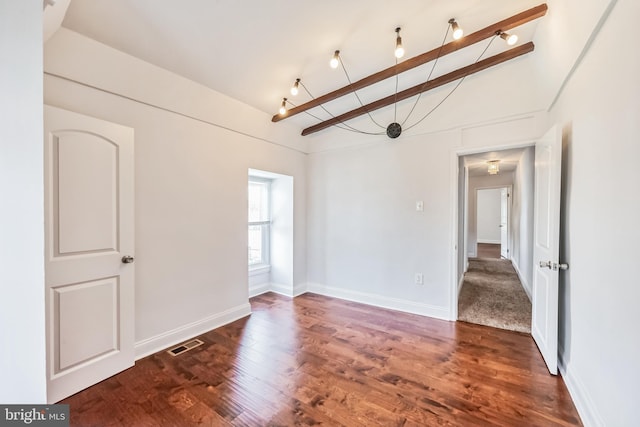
<point x="455" y="162"/>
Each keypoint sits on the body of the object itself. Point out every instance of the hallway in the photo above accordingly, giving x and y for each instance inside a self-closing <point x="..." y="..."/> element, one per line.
<point x="492" y="295"/>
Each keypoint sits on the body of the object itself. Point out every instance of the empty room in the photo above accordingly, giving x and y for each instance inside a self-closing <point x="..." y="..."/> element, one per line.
<point x="275" y="213"/>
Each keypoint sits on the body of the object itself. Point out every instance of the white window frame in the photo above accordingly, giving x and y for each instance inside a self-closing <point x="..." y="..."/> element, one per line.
<point x="265" y="265"/>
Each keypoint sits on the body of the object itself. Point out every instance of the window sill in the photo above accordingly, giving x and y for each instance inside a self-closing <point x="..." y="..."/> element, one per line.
<point x="255" y="270"/>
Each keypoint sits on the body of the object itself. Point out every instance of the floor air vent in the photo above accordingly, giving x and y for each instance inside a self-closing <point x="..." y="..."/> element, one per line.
<point x="184" y="347"/>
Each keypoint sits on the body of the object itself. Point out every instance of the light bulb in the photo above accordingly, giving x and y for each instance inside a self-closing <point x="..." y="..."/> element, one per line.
<point x="457" y="31"/>
<point x="283" y="107"/>
<point x="294" y="88"/>
<point x="511" y="39"/>
<point x="399" y="52"/>
<point x="335" y="60"/>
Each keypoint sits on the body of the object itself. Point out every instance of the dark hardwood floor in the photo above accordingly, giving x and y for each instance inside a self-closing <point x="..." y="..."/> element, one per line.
<point x="317" y="360"/>
<point x="488" y="250"/>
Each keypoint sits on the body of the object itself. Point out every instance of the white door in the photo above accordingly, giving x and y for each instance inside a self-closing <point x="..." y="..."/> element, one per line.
<point x="89" y="229"/>
<point x="546" y="230"/>
<point x="504" y="223"/>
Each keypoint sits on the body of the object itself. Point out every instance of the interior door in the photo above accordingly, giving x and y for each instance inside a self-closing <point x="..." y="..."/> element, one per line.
<point x="504" y="223"/>
<point x="546" y="231"/>
<point x="89" y="235"/>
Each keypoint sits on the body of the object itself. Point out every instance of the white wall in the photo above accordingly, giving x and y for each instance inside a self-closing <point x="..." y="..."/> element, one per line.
<point x="503" y="179"/>
<point x="488" y="216"/>
<point x="282" y="235"/>
<point x="366" y="240"/>
<point x="191" y="183"/>
<point x="522" y="219"/>
<point x="599" y="110"/>
<point x="22" y="323"/>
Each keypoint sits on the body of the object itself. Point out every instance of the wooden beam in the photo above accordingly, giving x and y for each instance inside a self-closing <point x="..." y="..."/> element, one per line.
<point x="504" y="25"/>
<point x="431" y="84"/>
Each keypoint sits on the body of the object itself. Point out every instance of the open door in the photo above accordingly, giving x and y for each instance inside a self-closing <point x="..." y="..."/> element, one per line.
<point x="504" y="223"/>
<point x="88" y="250"/>
<point x="546" y="240"/>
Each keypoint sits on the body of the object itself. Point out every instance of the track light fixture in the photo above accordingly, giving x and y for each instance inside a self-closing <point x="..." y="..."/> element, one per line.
<point x="283" y="107"/>
<point x="294" y="88"/>
<point x="335" y="60"/>
<point x="398" y="124"/>
<point x="456" y="31"/>
<point x="399" y="52"/>
<point x="511" y="39"/>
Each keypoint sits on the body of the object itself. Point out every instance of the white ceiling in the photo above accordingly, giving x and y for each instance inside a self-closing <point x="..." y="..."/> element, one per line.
<point x="478" y="163"/>
<point x="253" y="50"/>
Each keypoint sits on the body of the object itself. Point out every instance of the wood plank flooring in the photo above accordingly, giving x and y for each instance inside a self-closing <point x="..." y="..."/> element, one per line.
<point x="488" y="250"/>
<point x="315" y="360"/>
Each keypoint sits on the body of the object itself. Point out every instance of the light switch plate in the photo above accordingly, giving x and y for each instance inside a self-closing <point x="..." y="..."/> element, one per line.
<point x="419" y="206"/>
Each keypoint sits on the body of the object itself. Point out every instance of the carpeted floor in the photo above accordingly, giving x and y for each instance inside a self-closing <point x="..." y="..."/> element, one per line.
<point x="492" y="295"/>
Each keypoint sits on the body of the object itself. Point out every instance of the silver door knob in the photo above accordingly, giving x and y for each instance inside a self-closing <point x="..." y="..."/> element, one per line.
<point x="546" y="264"/>
<point x="127" y="259"/>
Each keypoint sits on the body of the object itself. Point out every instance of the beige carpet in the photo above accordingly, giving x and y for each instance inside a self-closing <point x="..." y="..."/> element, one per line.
<point x="492" y="295"/>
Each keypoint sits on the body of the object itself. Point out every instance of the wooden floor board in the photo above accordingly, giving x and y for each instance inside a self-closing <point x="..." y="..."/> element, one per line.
<point x="315" y="360"/>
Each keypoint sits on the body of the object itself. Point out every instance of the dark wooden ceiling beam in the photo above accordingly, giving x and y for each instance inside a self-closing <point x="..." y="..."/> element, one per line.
<point x="416" y="61"/>
<point x="431" y="84"/>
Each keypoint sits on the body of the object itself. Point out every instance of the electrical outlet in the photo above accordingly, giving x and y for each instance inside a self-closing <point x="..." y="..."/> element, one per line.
<point x="419" y="279"/>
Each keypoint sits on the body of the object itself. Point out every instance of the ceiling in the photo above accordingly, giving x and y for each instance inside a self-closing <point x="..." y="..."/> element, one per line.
<point x="254" y="50"/>
<point x="478" y="163"/>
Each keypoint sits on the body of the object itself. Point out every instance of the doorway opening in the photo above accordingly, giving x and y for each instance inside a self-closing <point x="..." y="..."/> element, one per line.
<point x="495" y="233"/>
<point x="492" y="206"/>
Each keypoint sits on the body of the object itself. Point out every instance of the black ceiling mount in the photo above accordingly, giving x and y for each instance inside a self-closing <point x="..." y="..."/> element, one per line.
<point x="394" y="130"/>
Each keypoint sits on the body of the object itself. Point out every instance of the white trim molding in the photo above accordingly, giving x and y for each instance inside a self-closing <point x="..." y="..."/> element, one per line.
<point x="381" y="301"/>
<point x="175" y="336"/>
<point x="589" y="415"/>
<point x="489" y="242"/>
<point x="523" y="280"/>
<point x="461" y="281"/>
<point x="260" y="289"/>
<point x="278" y="288"/>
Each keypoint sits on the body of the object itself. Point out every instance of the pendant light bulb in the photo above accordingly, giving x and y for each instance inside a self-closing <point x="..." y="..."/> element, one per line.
<point x="456" y="30"/>
<point x="335" y="60"/>
<point x="294" y="88"/>
<point x="399" y="52"/>
<point x="283" y="107"/>
<point x="511" y="39"/>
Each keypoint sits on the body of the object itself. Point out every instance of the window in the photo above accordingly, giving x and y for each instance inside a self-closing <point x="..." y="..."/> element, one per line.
<point x="259" y="222"/>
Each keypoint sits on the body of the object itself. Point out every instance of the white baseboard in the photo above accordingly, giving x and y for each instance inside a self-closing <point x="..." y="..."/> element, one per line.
<point x="491" y="242"/>
<point x="525" y="284"/>
<point x="299" y="289"/>
<point x="460" y="283"/>
<point x="175" y="336"/>
<point x="281" y="289"/>
<point x="259" y="289"/>
<point x="579" y="394"/>
<point x="278" y="288"/>
<point x="381" y="301"/>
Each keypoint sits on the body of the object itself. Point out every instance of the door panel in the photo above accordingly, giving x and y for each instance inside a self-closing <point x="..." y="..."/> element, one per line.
<point x="88" y="229"/>
<point x="85" y="341"/>
<point x="544" y="323"/>
<point x="504" y="223"/>
<point x="86" y="177"/>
